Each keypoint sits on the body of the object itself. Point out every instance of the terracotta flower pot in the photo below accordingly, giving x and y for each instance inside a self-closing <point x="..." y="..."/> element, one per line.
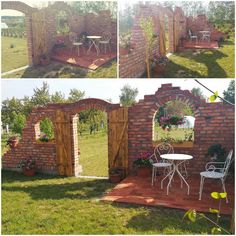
<point x="115" y="178"/>
<point x="13" y="143"/>
<point x="144" y="171"/>
<point x="159" y="68"/>
<point x="123" y="51"/>
<point x="30" y="172"/>
<point x="44" y="61"/>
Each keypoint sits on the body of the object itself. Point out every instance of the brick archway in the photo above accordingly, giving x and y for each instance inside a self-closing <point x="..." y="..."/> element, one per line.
<point x="28" y="11"/>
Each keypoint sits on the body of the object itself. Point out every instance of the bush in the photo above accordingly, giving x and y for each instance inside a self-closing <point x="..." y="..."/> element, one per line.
<point x="18" y="123"/>
<point x="46" y="127"/>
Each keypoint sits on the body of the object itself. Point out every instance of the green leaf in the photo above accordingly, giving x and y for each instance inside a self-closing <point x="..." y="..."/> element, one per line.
<point x="191" y="214"/>
<point x="215" y="230"/>
<point x="215" y="195"/>
<point x="214" y="210"/>
<point x="223" y="195"/>
<point x="216" y="94"/>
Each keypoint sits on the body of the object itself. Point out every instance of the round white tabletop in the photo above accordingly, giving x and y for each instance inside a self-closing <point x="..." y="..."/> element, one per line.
<point x="176" y="157"/>
<point x="94" y="37"/>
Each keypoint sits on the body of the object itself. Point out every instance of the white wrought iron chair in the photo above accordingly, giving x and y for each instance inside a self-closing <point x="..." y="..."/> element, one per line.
<point x="105" y="40"/>
<point x="74" y="42"/>
<point x="213" y="171"/>
<point x="191" y="36"/>
<point x="157" y="162"/>
<point x="206" y="36"/>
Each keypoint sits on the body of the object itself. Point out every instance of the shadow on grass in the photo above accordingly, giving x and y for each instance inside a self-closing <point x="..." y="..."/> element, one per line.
<point x="205" y="57"/>
<point x="81" y="189"/>
<point x="168" y="220"/>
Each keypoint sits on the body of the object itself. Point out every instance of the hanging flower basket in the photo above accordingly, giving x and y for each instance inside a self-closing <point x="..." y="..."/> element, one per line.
<point x="167" y="122"/>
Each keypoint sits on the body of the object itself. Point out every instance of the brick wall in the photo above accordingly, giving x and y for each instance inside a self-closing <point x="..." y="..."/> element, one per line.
<point x="214" y="124"/>
<point x="133" y="64"/>
<point x="201" y="23"/>
<point x="45" y="153"/>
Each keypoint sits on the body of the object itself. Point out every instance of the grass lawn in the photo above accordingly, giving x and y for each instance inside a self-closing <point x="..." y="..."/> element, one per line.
<point x="54" y="205"/>
<point x="203" y="63"/>
<point x="14" y="57"/>
<point x="94" y="154"/>
<point x="60" y="70"/>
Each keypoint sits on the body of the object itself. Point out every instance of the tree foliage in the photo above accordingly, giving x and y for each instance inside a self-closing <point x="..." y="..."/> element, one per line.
<point x="229" y="94"/>
<point x="128" y="95"/>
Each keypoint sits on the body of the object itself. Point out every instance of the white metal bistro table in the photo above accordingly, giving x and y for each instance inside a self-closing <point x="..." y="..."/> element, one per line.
<point x="206" y="35"/>
<point x="94" y="41"/>
<point x="176" y="160"/>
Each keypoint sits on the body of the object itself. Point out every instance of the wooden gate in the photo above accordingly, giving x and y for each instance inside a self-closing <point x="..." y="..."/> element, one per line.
<point x="118" y="139"/>
<point x="63" y="138"/>
<point x="39" y="35"/>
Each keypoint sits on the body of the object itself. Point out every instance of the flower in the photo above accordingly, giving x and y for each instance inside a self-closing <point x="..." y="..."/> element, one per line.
<point x="167" y="122"/>
<point x="143" y="159"/>
<point x="27" y="164"/>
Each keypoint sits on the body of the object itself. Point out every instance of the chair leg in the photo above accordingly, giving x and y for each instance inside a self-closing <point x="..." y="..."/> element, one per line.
<point x="153" y="169"/>
<point x="224" y="189"/>
<point x="201" y="187"/>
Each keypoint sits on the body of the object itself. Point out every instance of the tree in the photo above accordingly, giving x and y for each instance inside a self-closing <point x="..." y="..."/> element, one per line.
<point x="147" y="26"/>
<point x="58" y="97"/>
<point x="229" y="94"/>
<point x="197" y="92"/>
<point x="221" y="12"/>
<point x="18" y="123"/>
<point x="75" y="95"/>
<point x="46" y="126"/>
<point x="41" y="96"/>
<point x="128" y="95"/>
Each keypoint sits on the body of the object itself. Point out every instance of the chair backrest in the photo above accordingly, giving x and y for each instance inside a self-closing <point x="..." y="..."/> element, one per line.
<point x="72" y="37"/>
<point x="227" y="163"/>
<point x="106" y="36"/>
<point x="190" y="33"/>
<point x="163" y="148"/>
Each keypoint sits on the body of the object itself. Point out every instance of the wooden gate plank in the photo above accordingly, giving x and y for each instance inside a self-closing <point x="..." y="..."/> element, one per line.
<point x="63" y="143"/>
<point x="118" y="139"/>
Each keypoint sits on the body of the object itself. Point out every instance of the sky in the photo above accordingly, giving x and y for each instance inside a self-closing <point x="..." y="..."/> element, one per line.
<point x="106" y="88"/>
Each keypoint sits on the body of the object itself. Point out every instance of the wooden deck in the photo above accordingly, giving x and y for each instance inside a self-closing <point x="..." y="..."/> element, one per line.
<point x="137" y="190"/>
<point x="200" y="45"/>
<point x="91" y="61"/>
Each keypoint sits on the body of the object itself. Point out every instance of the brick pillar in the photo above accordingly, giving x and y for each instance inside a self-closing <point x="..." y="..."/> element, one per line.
<point x="171" y="33"/>
<point x="28" y="25"/>
<point x="75" y="148"/>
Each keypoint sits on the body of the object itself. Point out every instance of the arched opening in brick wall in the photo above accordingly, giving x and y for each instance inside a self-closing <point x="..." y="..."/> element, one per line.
<point x="27" y="11"/>
<point x="15" y="40"/>
<point x="92" y="138"/>
<point x="44" y="131"/>
<point x="62" y="24"/>
<point x="174" y="122"/>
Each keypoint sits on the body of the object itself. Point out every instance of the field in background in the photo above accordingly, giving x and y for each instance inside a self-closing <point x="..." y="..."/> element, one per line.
<point x="94" y="154"/>
<point x="14" y="53"/>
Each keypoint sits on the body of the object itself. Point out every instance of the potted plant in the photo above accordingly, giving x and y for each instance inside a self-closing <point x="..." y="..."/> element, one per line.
<point x="115" y="175"/>
<point x="13" y="141"/>
<point x="160" y="64"/>
<point x="125" y="44"/>
<point x="59" y="45"/>
<point x="44" y="60"/>
<point x="28" y="166"/>
<point x="143" y="164"/>
<point x="216" y="152"/>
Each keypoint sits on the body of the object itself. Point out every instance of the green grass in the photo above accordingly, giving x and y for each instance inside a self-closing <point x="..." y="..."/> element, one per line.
<point x="54" y="205"/>
<point x="94" y="154"/>
<point x="203" y="63"/>
<point x="15" y="57"/>
<point x="177" y="134"/>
